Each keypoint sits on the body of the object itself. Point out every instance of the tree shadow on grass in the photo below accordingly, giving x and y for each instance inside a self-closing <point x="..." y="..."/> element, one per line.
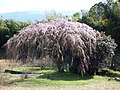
<point x="55" y="76"/>
<point x="66" y="76"/>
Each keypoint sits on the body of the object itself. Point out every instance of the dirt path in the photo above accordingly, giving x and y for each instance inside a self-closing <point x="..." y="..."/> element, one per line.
<point x="94" y="86"/>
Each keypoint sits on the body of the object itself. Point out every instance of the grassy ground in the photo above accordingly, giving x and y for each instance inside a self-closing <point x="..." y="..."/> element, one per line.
<point x="58" y="81"/>
<point x="112" y="85"/>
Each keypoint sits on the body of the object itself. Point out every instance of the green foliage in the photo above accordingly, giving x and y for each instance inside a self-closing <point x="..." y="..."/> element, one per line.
<point x="105" y="17"/>
<point x="76" y="17"/>
<point x="104" y="51"/>
<point x="96" y="17"/>
<point x="111" y="73"/>
<point x="116" y="62"/>
<point x="1" y="22"/>
<point x="24" y="24"/>
<point x="13" y="25"/>
<point x="8" y="28"/>
<point x="3" y="35"/>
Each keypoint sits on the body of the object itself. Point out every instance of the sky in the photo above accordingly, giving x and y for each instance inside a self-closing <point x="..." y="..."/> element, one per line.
<point x="7" y="6"/>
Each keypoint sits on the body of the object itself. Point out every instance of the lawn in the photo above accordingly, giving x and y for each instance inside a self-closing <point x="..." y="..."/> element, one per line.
<point x="58" y="81"/>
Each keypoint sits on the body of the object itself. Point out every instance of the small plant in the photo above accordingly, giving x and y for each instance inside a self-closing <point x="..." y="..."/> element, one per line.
<point x="49" y="76"/>
<point x="23" y="76"/>
<point x="43" y="62"/>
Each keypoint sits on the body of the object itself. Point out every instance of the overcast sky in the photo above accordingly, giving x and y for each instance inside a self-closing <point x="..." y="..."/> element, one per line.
<point x="45" y="5"/>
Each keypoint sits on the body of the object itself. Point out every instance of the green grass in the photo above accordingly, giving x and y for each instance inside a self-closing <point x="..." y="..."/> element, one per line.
<point x="35" y="70"/>
<point x="62" y="82"/>
<point x="58" y="79"/>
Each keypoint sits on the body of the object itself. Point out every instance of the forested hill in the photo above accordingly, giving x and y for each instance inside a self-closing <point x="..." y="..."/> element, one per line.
<point x="24" y="16"/>
<point x="31" y="16"/>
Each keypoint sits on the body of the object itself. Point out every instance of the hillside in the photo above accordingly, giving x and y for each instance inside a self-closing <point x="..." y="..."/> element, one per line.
<point x="24" y="16"/>
<point x="30" y="15"/>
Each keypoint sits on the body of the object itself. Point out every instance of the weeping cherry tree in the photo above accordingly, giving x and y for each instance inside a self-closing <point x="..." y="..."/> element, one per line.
<point x="74" y="43"/>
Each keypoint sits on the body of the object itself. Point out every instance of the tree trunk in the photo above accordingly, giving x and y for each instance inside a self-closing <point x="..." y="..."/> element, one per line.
<point x="60" y="62"/>
<point x="61" y="67"/>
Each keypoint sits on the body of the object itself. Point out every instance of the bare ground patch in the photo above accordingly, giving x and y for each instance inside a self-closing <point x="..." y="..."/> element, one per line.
<point x="110" y="85"/>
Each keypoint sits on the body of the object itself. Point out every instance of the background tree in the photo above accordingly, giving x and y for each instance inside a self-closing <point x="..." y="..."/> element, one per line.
<point x="76" y="17"/>
<point x="105" y="17"/>
<point x="3" y="32"/>
<point x="96" y="17"/>
<point x="8" y="28"/>
<point x="53" y="15"/>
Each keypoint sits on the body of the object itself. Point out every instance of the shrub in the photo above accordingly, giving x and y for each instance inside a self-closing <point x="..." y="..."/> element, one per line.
<point x="43" y="62"/>
<point x="104" y="51"/>
<point x="111" y="73"/>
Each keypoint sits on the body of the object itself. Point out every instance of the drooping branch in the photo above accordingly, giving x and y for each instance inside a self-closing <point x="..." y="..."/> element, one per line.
<point x="71" y="42"/>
